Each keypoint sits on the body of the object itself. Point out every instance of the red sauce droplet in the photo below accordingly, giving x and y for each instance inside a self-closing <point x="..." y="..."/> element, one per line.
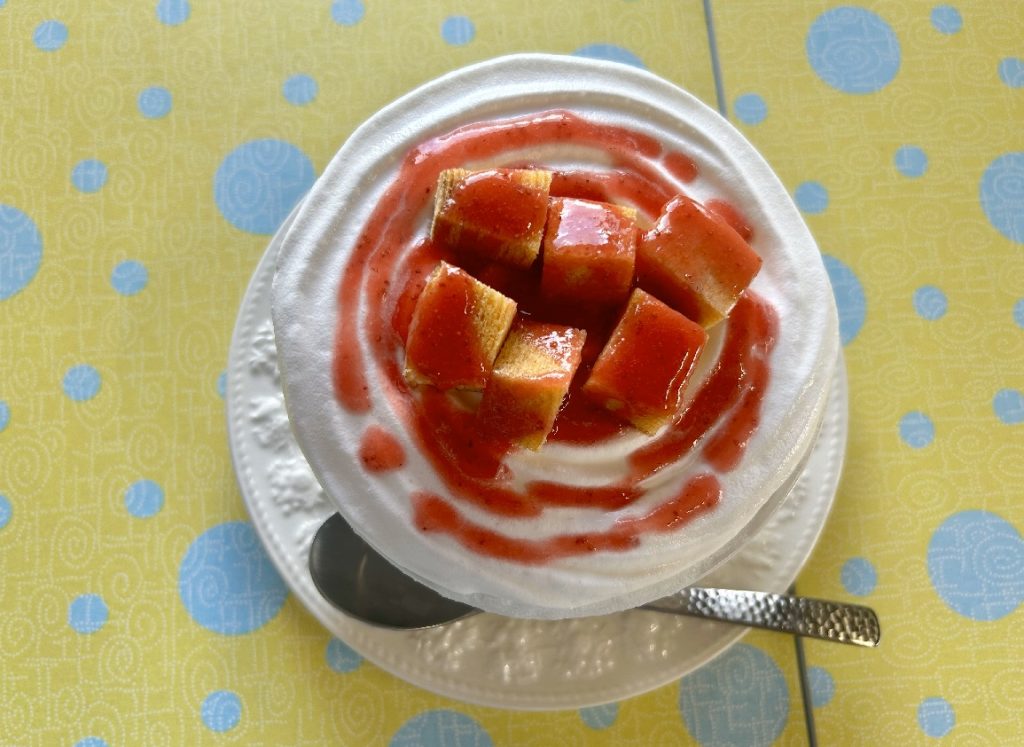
<point x="681" y="166"/>
<point x="379" y="451"/>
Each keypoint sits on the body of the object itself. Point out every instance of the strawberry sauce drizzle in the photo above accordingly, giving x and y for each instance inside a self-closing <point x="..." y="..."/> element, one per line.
<point x="386" y="272"/>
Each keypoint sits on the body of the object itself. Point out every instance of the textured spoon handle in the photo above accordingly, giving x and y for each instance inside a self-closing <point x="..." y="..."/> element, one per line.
<point x="814" y="618"/>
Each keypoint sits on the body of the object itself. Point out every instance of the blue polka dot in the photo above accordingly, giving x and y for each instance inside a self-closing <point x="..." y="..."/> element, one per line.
<point x="129" y="277"/>
<point x="21" y="251"/>
<point x="917" y="430"/>
<point x="910" y="161"/>
<point x="5" y="511"/>
<point x="226" y="580"/>
<point x="1011" y="71"/>
<point x="853" y="50"/>
<point x="811" y="197"/>
<point x="946" y="19"/>
<point x="849" y="298"/>
<point x="89" y="175"/>
<point x="935" y="717"/>
<point x="91" y="742"/>
<point x="610" y="53"/>
<point x="441" y="728"/>
<point x="930" y="302"/>
<point x="50" y="36"/>
<point x="173" y="12"/>
<point x="347" y="12"/>
<point x="600" y="717"/>
<point x="750" y="109"/>
<point x="858" y="577"/>
<point x="81" y="383"/>
<point x="259" y="182"/>
<point x="1002" y="195"/>
<point x="1018" y="313"/>
<point x="155" y="102"/>
<point x="300" y="89"/>
<point x="341" y="658"/>
<point x="976" y="564"/>
<point x="5" y="415"/>
<point x="87" y="614"/>
<point x="823" y="687"/>
<point x="740" y="698"/>
<point x="222" y="384"/>
<point x="144" y="499"/>
<point x="457" y="30"/>
<point x="221" y="710"/>
<point x="1008" y="405"/>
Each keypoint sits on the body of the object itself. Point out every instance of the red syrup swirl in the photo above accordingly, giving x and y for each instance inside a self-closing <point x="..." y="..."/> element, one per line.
<point x="387" y="268"/>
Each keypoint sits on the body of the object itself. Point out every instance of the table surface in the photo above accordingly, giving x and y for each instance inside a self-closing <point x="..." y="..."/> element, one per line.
<point x="134" y="207"/>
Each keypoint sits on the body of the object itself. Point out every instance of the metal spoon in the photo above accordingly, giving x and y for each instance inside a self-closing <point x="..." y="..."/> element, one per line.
<point x="358" y="581"/>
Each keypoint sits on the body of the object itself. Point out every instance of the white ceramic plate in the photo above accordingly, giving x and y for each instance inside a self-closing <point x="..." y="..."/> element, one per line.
<point x="486" y="659"/>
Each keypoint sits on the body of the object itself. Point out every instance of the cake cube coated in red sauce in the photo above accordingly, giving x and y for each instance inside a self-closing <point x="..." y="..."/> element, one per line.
<point x="496" y="215"/>
<point x="530" y="380"/>
<point x="640" y="373"/>
<point x="589" y="252"/>
<point x="458" y="326"/>
<point x="694" y="261"/>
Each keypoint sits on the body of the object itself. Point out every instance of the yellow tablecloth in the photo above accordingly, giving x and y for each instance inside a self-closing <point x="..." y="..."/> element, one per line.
<point x="131" y="220"/>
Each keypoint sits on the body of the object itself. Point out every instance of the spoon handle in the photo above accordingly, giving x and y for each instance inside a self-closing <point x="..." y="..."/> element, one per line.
<point x="814" y="618"/>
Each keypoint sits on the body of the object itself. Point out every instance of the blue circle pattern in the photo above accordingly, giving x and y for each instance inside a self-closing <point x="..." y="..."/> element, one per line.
<point x="5" y="415"/>
<point x="341" y="658"/>
<point x="129" y="277"/>
<point x="1018" y="313"/>
<point x="5" y="511"/>
<point x="259" y="182"/>
<point x="935" y="717"/>
<point x="1008" y="405"/>
<point x="226" y="580"/>
<point x="21" y="251"/>
<point x="750" y="109"/>
<point x="917" y="430"/>
<point x="1011" y="72"/>
<point x="740" y="698"/>
<point x="911" y="161"/>
<point x="155" y="102"/>
<point x="50" y="36"/>
<point x="144" y="499"/>
<point x="811" y="197"/>
<point x="853" y="50"/>
<point x="930" y="302"/>
<point x="610" y="53"/>
<point x="823" y="687"/>
<point x="347" y="12"/>
<point x="976" y="564"/>
<point x="89" y="175"/>
<point x="87" y="614"/>
<point x="441" y="728"/>
<point x="173" y="12"/>
<point x="946" y="19"/>
<point x="1002" y="195"/>
<point x="91" y="742"/>
<point x="221" y="711"/>
<point x="849" y="296"/>
<point x="600" y="717"/>
<point x="457" y="30"/>
<point x="81" y="383"/>
<point x="222" y="384"/>
<point x="300" y="89"/>
<point x="858" y="577"/>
